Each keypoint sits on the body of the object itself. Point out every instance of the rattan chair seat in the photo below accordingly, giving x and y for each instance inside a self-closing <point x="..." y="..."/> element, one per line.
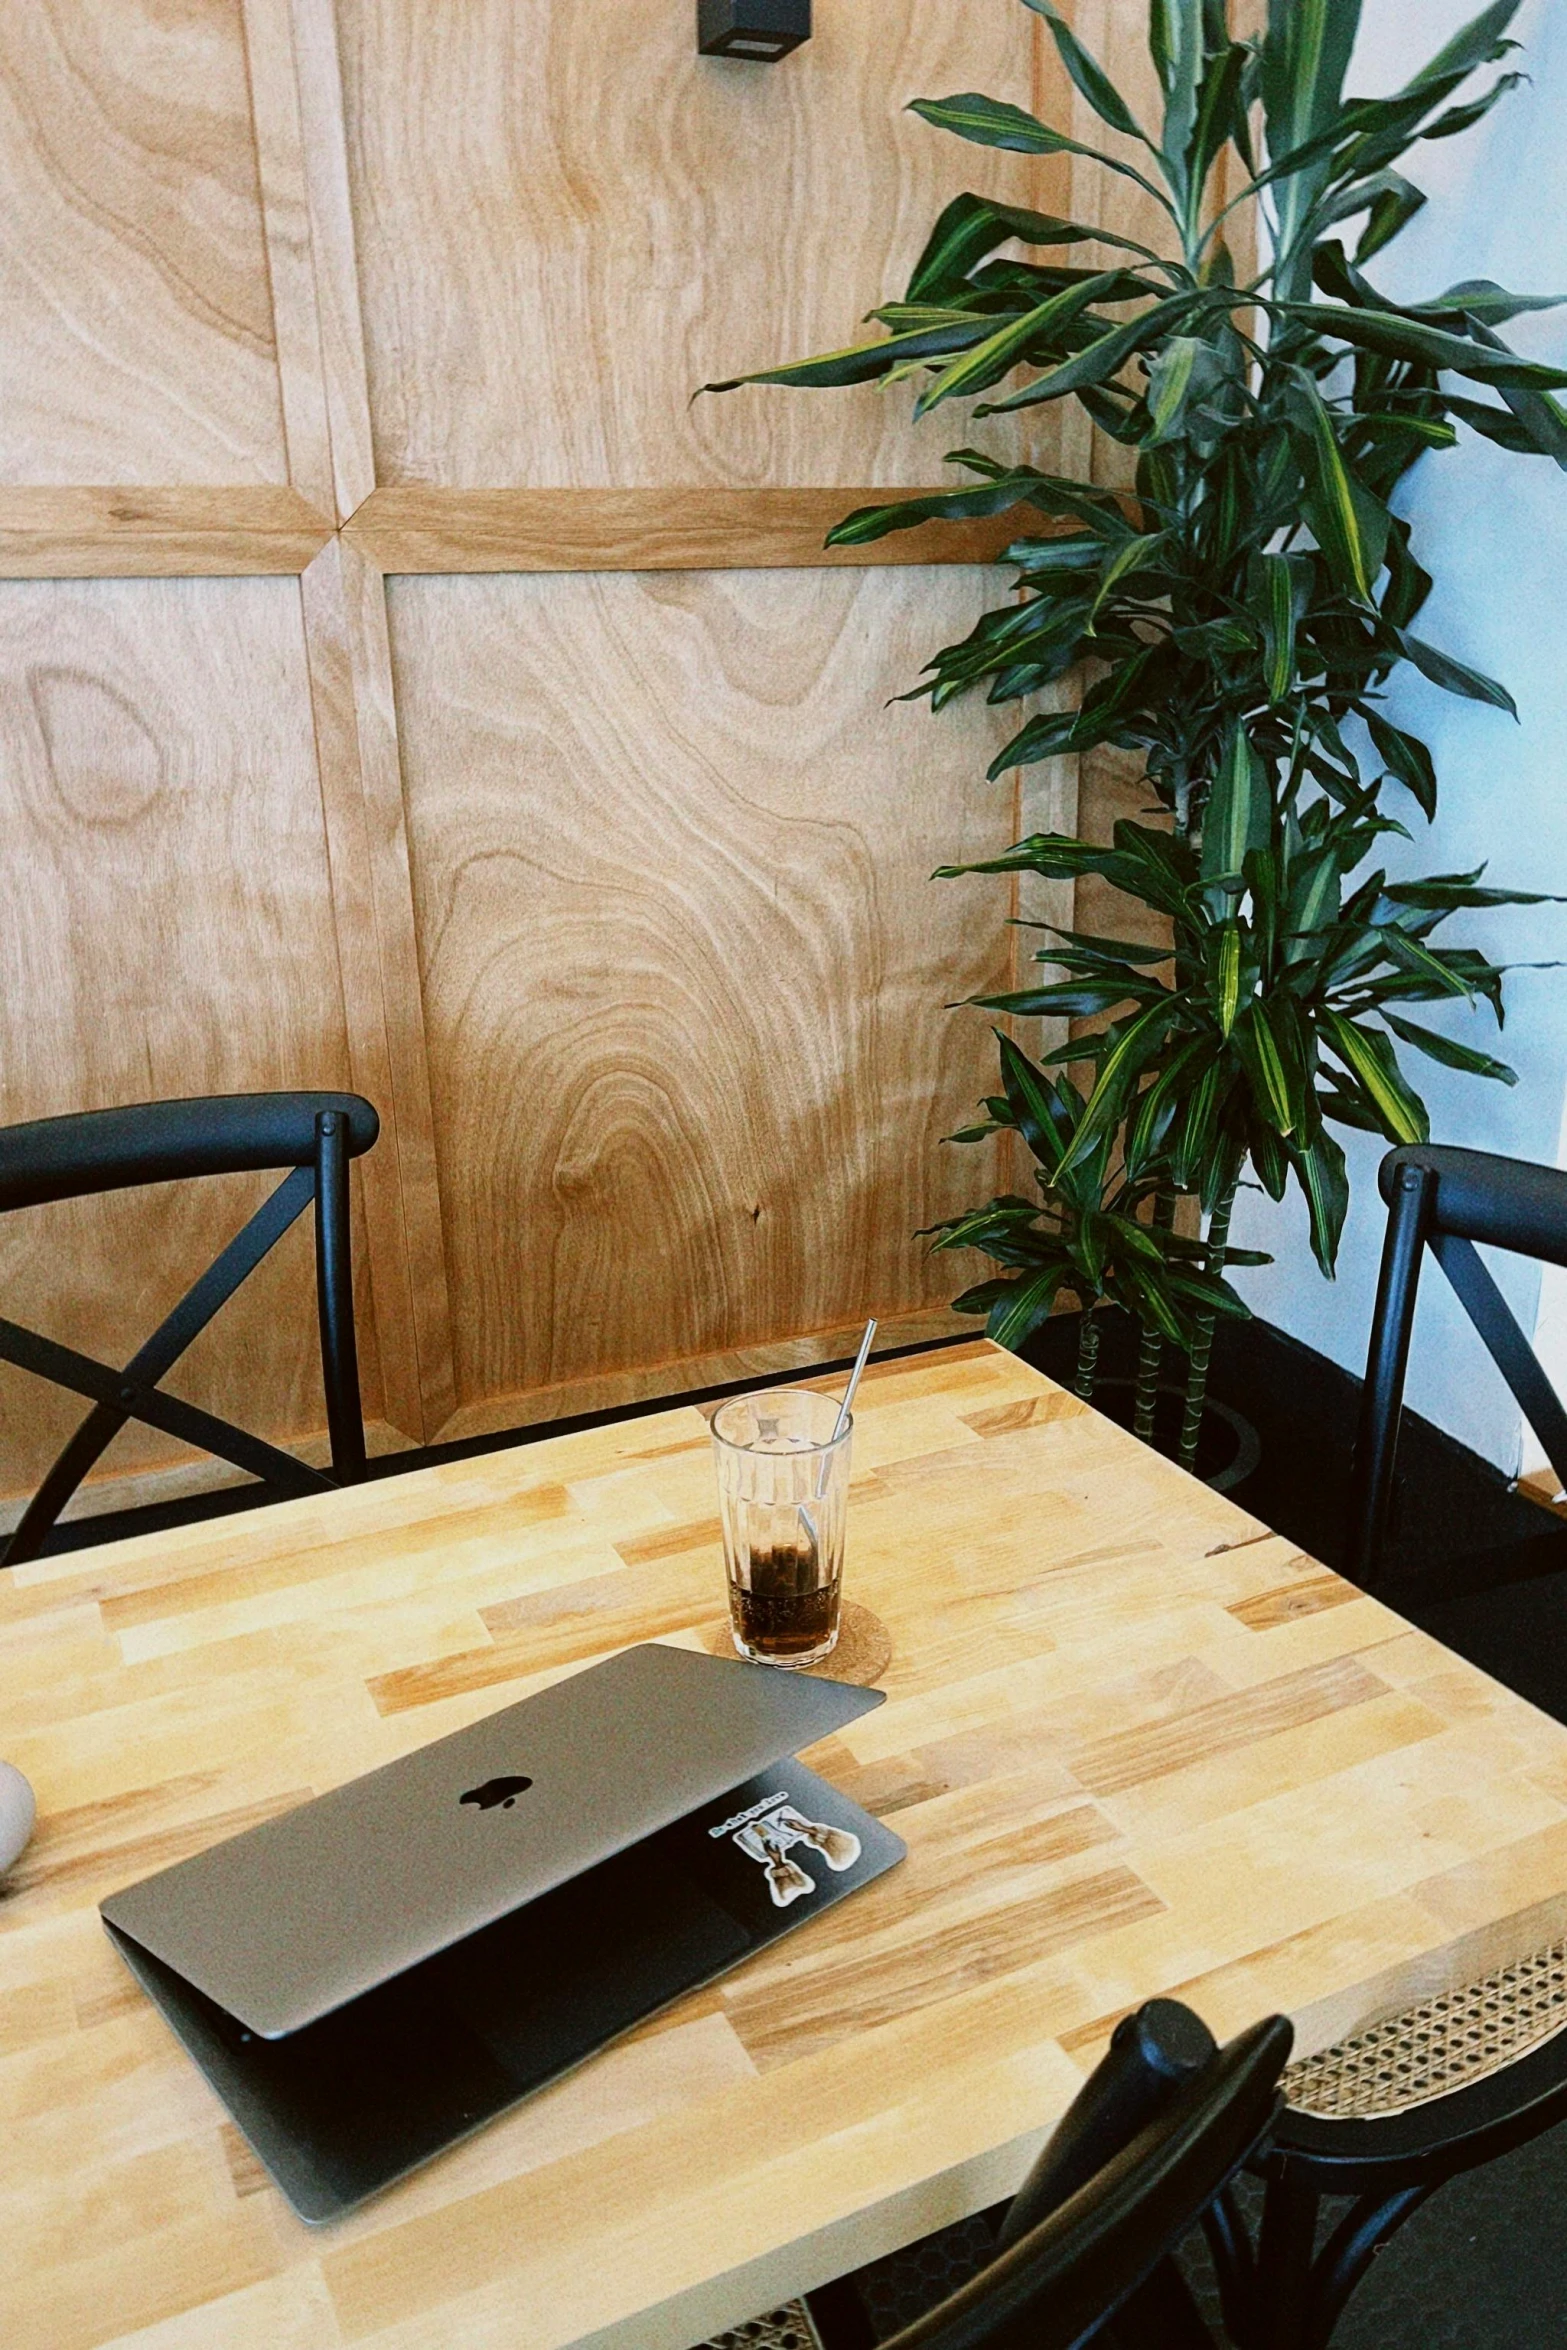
<point x="789" y="2328"/>
<point x="1445" y="2044"/>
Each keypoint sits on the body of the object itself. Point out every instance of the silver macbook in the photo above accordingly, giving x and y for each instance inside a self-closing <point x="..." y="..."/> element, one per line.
<point x="377" y="1973"/>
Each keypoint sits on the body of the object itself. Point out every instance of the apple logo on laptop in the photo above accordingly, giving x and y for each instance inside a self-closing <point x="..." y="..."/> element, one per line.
<point x="503" y="1791"/>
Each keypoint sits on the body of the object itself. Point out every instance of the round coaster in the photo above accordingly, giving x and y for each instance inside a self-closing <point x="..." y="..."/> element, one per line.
<point x="861" y="1656"/>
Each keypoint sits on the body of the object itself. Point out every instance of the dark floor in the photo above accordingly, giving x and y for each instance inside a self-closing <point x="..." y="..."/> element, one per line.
<point x="1484" y="2265"/>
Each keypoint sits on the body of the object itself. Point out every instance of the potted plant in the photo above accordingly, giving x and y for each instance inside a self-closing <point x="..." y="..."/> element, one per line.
<point x="1236" y="612"/>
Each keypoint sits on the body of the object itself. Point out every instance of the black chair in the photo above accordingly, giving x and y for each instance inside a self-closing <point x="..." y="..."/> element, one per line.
<point x="1445" y="1200"/>
<point x="1083" y="2252"/>
<point x="1384" y="2119"/>
<point x="314" y="1135"/>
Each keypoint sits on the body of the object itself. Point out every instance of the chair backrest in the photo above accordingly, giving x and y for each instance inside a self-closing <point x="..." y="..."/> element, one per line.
<point x="1446" y="1199"/>
<point x="314" y="1135"/>
<point x="1153" y="2137"/>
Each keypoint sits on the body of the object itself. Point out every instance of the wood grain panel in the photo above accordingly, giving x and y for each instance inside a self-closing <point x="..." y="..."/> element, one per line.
<point x="165" y="840"/>
<point x="136" y="337"/>
<point x="156" y="533"/>
<point x="684" y="969"/>
<point x="1121" y="1770"/>
<point x="696" y="529"/>
<point x="567" y="220"/>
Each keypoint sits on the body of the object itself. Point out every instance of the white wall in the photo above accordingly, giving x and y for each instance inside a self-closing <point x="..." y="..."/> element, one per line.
<point x="1492" y="528"/>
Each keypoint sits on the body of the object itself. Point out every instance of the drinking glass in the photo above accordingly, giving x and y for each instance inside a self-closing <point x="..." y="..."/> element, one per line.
<point x="783" y="1494"/>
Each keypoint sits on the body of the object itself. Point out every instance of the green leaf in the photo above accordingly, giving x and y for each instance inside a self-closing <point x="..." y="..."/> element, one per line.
<point x="1410" y="955"/>
<point x="1064" y="999"/>
<point x="1103" y="358"/>
<point x="1227" y="978"/>
<point x="1134" y="555"/>
<point x="1041" y="1116"/>
<point x="1350" y="526"/>
<point x="1369" y="1057"/>
<point x="1324" y="1178"/>
<point x="1401" y="337"/>
<point x="1129" y="1051"/>
<point x="876" y="522"/>
<point x="1055" y="856"/>
<point x="1456" y="676"/>
<point x="1014" y="1318"/>
<point x="970" y="227"/>
<point x="1278" y="624"/>
<point x="1175" y="41"/>
<point x="1483" y="298"/>
<point x="1239" y="812"/>
<point x="1479" y="42"/>
<point x="1183" y="373"/>
<point x="1538" y="436"/>
<point x="992" y="122"/>
<point x="863" y="362"/>
<point x="1088" y="74"/>
<point x="1392" y="208"/>
<point x="1266" y="1067"/>
<point x="986" y="360"/>
<point x="1405" y="756"/>
<point x="1451" y="1055"/>
<point x="1447" y="891"/>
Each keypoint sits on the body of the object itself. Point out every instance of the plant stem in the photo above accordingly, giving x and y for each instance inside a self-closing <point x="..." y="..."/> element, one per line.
<point x="1150" y="1352"/>
<point x="1202" y="1345"/>
<point x="1087" y="1355"/>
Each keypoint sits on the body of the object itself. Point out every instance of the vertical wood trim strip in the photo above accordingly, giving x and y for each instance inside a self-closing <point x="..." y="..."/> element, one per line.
<point x="397" y="948"/>
<point x="280" y="165"/>
<point x="356" y="730"/>
<point x="345" y="373"/>
<point x="332" y="702"/>
<point x="361" y="792"/>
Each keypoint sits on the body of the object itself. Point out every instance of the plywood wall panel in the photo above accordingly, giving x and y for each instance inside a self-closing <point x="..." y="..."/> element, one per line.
<point x="136" y="337"/>
<point x="566" y="220"/>
<point x="684" y="968"/>
<point x="171" y="933"/>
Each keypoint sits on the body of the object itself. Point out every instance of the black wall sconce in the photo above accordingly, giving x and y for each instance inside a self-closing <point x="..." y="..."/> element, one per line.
<point x="762" y="30"/>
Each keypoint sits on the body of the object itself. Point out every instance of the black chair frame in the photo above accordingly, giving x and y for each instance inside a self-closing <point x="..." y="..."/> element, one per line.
<point x="1084" y="2254"/>
<point x="1384" y="2166"/>
<point x="314" y="1135"/>
<point x="1446" y="1199"/>
<point x="1294" y="2292"/>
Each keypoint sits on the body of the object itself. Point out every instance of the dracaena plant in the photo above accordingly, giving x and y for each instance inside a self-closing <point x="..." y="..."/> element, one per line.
<point x="1234" y="615"/>
<point x="1088" y="1239"/>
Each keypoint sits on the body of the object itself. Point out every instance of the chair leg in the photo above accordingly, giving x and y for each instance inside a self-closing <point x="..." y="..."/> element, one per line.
<point x="335" y="1299"/>
<point x="1284" y="2263"/>
<point x="1371" y="2223"/>
<point x="1234" y="2261"/>
<point x="1381" y="1408"/>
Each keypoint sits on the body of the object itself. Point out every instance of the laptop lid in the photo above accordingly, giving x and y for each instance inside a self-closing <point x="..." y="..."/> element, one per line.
<point x="285" y="1923"/>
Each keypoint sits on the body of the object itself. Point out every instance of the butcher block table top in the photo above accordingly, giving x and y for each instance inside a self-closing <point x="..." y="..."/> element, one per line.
<point x="1135" y="1742"/>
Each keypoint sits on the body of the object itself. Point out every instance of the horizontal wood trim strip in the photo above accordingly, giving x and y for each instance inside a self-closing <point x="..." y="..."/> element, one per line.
<point x="79" y="532"/>
<point x="75" y="532"/>
<point x="678" y="529"/>
<point x="615" y="1391"/>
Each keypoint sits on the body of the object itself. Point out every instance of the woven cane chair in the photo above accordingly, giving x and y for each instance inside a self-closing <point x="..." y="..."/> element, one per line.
<point x="313" y="1135"/>
<point x="1387" y="2117"/>
<point x="1157" y="2132"/>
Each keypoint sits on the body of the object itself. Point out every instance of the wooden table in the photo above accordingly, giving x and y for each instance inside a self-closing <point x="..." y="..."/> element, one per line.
<point x="1135" y="1742"/>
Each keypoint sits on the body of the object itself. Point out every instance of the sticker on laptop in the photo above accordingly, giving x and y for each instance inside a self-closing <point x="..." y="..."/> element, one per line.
<point x="767" y="1832"/>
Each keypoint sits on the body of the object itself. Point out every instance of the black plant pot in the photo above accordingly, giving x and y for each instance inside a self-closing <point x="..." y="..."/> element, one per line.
<point x="1228" y="1447"/>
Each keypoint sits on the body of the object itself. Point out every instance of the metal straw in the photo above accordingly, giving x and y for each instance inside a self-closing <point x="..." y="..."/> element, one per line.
<point x="854" y="1380"/>
<point x="839" y="1426"/>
